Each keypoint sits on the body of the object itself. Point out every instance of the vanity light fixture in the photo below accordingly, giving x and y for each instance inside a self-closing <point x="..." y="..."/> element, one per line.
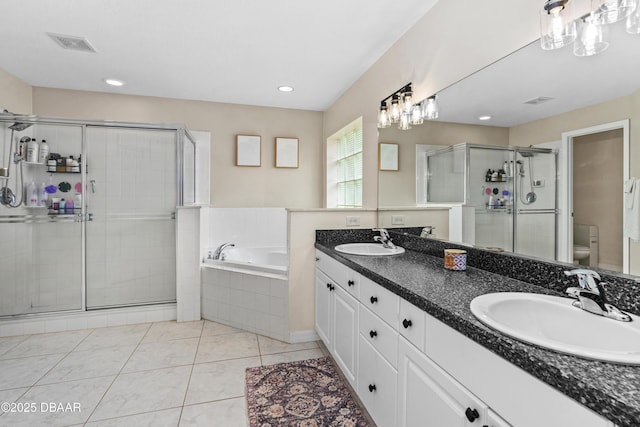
<point x="592" y="38"/>
<point x="400" y="108"/>
<point x="610" y="11"/>
<point x="114" y="82"/>
<point x="556" y="33"/>
<point x="431" y="110"/>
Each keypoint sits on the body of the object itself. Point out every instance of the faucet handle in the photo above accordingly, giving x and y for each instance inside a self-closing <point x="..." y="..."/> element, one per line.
<point x="383" y="232"/>
<point x="586" y="278"/>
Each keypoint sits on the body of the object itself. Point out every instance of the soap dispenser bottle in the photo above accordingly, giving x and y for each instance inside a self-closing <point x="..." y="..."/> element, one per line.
<point x="43" y="155"/>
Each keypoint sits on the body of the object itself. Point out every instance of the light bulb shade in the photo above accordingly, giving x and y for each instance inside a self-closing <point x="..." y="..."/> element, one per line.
<point x="592" y="39"/>
<point x="555" y="31"/>
<point x="383" y="117"/>
<point x="416" y="115"/>
<point x="407" y="102"/>
<point x="394" y="114"/>
<point x="610" y="11"/>
<point x="405" y="121"/>
<point x="633" y="21"/>
<point x="430" y="109"/>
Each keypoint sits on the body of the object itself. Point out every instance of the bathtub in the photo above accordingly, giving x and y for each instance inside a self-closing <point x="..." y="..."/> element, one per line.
<point x="248" y="289"/>
<point x="264" y="260"/>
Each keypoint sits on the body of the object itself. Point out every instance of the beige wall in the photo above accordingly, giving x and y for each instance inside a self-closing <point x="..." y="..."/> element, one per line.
<point x="597" y="195"/>
<point x="231" y="186"/>
<point x="15" y="95"/>
<point x="447" y="44"/>
<point x="302" y="226"/>
<point x="399" y="188"/>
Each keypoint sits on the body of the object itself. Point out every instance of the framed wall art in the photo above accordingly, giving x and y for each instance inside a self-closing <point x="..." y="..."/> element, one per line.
<point x="287" y="152"/>
<point x="388" y="156"/>
<point x="248" y="150"/>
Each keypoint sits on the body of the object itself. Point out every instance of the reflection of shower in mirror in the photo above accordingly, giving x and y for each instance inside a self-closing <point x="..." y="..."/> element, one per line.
<point x="7" y="196"/>
<point x="531" y="196"/>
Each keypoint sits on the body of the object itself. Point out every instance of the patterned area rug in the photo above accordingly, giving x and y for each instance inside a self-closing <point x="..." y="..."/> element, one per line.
<point x="309" y="393"/>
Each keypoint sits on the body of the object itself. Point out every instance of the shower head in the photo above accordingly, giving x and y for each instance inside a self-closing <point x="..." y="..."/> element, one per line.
<point x="527" y="153"/>
<point x="19" y="126"/>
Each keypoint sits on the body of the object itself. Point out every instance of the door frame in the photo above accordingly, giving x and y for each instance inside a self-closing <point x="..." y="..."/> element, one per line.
<point x="565" y="195"/>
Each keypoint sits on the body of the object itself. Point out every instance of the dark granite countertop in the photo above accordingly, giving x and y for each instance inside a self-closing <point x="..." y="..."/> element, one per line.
<point x="608" y="389"/>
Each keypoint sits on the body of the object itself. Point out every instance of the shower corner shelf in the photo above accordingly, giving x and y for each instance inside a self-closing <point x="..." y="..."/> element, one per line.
<point x="34" y="163"/>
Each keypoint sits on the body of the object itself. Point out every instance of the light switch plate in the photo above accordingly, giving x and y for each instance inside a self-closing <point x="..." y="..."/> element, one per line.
<point x="397" y="219"/>
<point x="353" y="221"/>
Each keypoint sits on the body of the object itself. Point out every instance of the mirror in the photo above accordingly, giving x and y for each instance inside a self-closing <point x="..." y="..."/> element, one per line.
<point x="533" y="97"/>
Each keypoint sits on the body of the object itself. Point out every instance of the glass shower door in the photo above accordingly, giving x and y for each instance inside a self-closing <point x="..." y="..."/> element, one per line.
<point x="131" y="201"/>
<point x="535" y="204"/>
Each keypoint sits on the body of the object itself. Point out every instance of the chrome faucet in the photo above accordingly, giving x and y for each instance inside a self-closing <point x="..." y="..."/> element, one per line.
<point x="218" y="252"/>
<point x="384" y="238"/>
<point x="591" y="296"/>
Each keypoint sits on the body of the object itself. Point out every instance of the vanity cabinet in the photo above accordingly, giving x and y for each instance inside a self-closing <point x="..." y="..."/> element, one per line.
<point x="428" y="396"/>
<point x="337" y="323"/>
<point x="410" y="369"/>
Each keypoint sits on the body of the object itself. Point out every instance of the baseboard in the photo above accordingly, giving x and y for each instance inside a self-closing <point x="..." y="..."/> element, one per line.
<point x="303" y="336"/>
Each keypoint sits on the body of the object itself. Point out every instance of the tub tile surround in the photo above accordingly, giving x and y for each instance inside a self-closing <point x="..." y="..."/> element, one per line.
<point x="419" y="277"/>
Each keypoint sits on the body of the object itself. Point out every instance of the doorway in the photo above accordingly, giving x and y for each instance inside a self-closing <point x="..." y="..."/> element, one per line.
<point x="596" y="165"/>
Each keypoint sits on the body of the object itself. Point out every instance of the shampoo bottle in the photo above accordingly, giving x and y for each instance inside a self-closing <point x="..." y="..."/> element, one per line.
<point x="43" y="156"/>
<point x="32" y="151"/>
<point x="32" y="194"/>
<point x="42" y="195"/>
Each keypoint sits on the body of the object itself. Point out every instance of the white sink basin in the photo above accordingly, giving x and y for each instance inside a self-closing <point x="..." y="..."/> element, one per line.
<point x="371" y="249"/>
<point x="553" y="323"/>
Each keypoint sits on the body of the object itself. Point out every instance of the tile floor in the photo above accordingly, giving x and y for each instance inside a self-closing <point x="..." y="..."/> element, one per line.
<point x="159" y="374"/>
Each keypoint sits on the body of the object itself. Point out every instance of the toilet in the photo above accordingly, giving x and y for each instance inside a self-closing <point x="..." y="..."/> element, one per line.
<point x="585" y="245"/>
<point x="580" y="252"/>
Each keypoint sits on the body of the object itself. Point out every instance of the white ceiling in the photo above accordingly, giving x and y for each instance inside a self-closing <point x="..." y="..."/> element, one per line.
<point x="236" y="51"/>
<point x="501" y="89"/>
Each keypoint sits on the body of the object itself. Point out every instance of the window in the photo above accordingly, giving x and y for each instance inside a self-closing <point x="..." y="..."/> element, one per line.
<point x="344" y="168"/>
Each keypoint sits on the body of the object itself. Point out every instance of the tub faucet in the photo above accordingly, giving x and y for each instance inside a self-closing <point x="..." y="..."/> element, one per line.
<point x="384" y="238"/>
<point x="222" y="247"/>
<point x="591" y="296"/>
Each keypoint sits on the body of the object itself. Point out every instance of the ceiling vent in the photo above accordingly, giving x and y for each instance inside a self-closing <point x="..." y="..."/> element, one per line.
<point x="538" y="100"/>
<point x="72" y="42"/>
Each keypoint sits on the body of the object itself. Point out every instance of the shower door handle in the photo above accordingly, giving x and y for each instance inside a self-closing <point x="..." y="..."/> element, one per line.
<point x="536" y="211"/>
<point x="83" y="217"/>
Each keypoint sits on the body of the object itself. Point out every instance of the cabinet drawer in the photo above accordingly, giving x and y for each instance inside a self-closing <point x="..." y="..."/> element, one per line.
<point x="380" y="335"/>
<point x="380" y="301"/>
<point x="348" y="279"/>
<point x="411" y="323"/>
<point x="377" y="384"/>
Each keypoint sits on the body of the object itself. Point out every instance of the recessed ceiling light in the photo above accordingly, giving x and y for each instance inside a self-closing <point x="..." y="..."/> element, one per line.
<point x="285" y="88"/>
<point x="114" y="82"/>
<point x="484" y="118"/>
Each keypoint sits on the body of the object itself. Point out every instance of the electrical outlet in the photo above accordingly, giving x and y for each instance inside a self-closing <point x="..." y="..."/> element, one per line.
<point x="353" y="221"/>
<point x="397" y="219"/>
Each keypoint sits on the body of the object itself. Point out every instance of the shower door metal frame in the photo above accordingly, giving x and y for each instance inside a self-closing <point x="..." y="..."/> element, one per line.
<point x="181" y="133"/>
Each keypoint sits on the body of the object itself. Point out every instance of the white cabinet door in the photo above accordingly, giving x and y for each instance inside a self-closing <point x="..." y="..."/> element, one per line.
<point x="494" y="420"/>
<point x="377" y="384"/>
<point x="345" y="333"/>
<point x="429" y="397"/>
<point x="324" y="308"/>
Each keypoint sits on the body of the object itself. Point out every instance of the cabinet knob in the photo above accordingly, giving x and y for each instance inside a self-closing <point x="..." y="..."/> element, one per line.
<point x="351" y="283"/>
<point x="407" y="323"/>
<point x="472" y="414"/>
<point x="332" y="288"/>
<point x="373" y="300"/>
<point x="329" y="286"/>
<point x="372" y="388"/>
<point x="373" y="334"/>
<point x="317" y="258"/>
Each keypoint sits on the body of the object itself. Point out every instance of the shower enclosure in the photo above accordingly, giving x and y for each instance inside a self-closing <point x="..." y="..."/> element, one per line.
<point x="92" y="225"/>
<point x="508" y="195"/>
